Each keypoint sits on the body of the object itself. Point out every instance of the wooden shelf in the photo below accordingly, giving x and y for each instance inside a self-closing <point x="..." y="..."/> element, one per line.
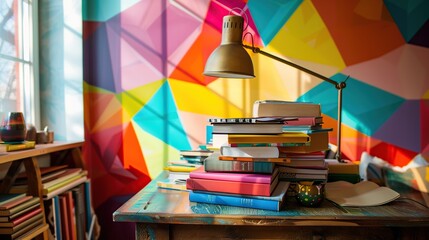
<point x="40" y="149"/>
<point x="60" y="153"/>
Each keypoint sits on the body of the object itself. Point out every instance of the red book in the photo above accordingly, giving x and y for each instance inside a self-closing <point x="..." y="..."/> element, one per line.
<point x="245" y="188"/>
<point x="26" y="216"/>
<point x="247" y="184"/>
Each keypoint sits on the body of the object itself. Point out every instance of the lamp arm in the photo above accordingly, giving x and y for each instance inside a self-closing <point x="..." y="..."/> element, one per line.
<point x="338" y="85"/>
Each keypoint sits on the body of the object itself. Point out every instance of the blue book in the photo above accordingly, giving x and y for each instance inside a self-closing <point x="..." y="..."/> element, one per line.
<point x="274" y="202"/>
<point x="57" y="217"/>
<point x="88" y="209"/>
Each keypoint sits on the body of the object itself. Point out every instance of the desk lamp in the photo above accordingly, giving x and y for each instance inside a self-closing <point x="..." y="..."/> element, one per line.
<point x="231" y="60"/>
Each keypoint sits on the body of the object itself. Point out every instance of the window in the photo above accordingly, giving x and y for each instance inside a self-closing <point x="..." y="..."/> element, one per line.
<point x="18" y="58"/>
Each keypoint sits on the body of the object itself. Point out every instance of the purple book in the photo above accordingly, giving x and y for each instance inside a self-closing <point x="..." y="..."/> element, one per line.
<point x="235" y="177"/>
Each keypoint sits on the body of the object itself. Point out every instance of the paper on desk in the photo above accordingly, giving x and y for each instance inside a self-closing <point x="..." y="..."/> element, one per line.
<point x="362" y="194"/>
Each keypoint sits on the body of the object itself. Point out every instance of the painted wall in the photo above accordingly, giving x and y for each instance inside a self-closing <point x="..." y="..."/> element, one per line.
<point x="146" y="98"/>
<point x="61" y="69"/>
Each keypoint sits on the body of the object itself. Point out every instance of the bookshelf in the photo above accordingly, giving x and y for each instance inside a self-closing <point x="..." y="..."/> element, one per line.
<point x="67" y="153"/>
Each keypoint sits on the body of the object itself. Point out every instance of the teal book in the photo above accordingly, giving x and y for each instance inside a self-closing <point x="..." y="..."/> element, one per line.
<point x="273" y="202"/>
<point x="213" y="164"/>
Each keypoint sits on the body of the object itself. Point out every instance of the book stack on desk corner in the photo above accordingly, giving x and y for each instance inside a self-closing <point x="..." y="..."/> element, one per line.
<point x="19" y="214"/>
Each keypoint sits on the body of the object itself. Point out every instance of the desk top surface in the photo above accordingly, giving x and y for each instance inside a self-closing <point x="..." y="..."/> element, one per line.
<point x="156" y="205"/>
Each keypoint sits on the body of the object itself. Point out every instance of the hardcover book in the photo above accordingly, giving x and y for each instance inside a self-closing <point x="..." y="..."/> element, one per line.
<point x="253" y="152"/>
<point x="251" y="120"/>
<point x="251" y="184"/>
<point x="297" y="177"/>
<point x="8" y="197"/>
<point x="19" y="207"/>
<point x="246" y="188"/>
<point x="305" y="163"/>
<point x="273" y="202"/>
<point x="319" y="141"/>
<point x="15" y="202"/>
<point x="256" y="128"/>
<point x="11" y="230"/>
<point x="213" y="164"/>
<point x="200" y="173"/>
<point x="227" y="139"/>
<point x="9" y="147"/>
<point x="266" y="108"/>
<point x="305" y="121"/>
<point x="251" y="159"/>
<point x="21" y="218"/>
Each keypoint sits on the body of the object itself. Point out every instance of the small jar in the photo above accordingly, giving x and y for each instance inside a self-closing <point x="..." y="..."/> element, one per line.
<point x="310" y="194"/>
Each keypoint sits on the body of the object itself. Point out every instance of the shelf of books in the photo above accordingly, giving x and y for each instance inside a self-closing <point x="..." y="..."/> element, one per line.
<point x="50" y="198"/>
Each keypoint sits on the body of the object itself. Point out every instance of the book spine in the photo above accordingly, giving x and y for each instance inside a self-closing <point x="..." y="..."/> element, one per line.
<point x="238" y="166"/>
<point x="57" y="218"/>
<point x="65" y="226"/>
<point x="88" y="201"/>
<point x="234" y="177"/>
<point x="229" y="187"/>
<point x="234" y="201"/>
<point x="310" y="121"/>
<point x="255" y="152"/>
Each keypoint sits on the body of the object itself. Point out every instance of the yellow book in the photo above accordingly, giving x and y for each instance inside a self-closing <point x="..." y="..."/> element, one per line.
<point x="9" y="147"/>
<point x="45" y="191"/>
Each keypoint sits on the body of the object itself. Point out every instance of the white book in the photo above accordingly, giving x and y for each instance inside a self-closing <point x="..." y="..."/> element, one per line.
<point x="253" y="152"/>
<point x="267" y="108"/>
<point x="361" y="194"/>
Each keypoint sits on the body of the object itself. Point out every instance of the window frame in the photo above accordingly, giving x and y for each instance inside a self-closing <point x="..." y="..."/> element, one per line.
<point x="28" y="98"/>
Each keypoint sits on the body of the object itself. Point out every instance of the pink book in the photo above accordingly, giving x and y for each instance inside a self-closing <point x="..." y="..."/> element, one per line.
<point x="234" y="187"/>
<point x="199" y="173"/>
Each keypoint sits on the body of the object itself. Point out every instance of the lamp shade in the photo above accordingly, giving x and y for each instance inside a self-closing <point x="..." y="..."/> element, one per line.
<point x="230" y="59"/>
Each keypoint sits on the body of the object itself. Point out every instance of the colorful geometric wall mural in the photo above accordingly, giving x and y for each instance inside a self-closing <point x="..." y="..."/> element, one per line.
<point x="146" y="98"/>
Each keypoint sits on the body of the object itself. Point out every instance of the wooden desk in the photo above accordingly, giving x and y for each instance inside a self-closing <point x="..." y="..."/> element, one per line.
<point x="165" y="214"/>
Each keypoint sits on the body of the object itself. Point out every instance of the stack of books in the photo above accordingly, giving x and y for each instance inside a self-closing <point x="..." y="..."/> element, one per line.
<point x="19" y="215"/>
<point x="248" y="188"/>
<point x="307" y="162"/>
<point x="55" y="180"/>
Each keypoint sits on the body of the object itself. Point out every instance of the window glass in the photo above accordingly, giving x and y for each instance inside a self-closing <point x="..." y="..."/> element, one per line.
<point x="16" y="58"/>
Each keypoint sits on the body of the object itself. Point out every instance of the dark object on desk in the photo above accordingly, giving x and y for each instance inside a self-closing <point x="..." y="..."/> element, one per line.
<point x="310" y="194"/>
